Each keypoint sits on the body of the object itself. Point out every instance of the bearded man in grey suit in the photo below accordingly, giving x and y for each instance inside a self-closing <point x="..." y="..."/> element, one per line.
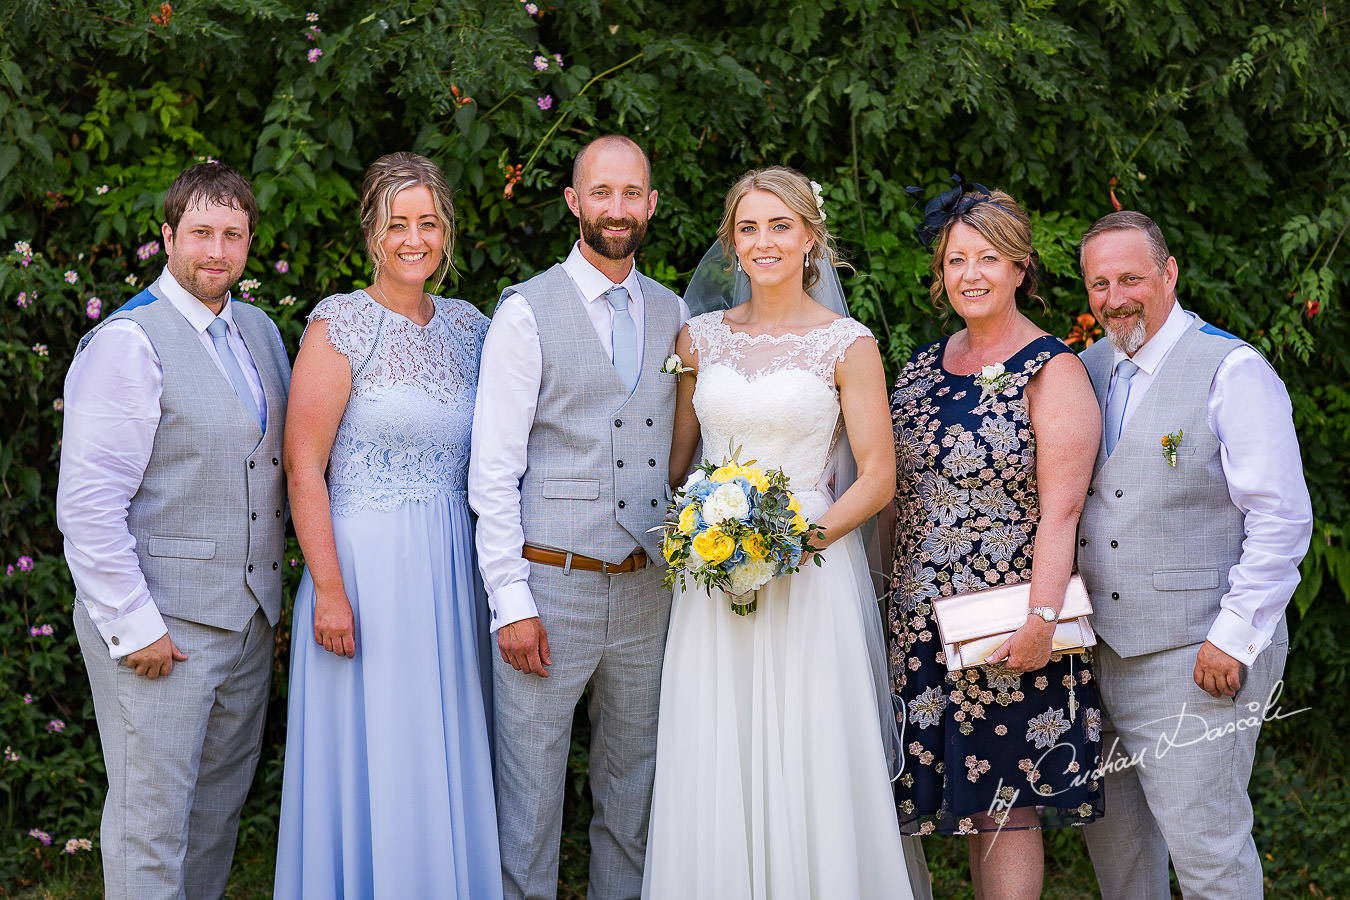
<point x="1189" y="543"/>
<point x="571" y="438"/>
<point x="171" y="501"/>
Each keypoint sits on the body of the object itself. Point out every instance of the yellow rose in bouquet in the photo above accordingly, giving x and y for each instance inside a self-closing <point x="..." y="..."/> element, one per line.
<point x="713" y="545"/>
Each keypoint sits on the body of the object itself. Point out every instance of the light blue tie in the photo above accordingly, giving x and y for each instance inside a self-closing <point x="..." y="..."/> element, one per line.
<point x="236" y="375"/>
<point x="1115" y="407"/>
<point x="626" y="360"/>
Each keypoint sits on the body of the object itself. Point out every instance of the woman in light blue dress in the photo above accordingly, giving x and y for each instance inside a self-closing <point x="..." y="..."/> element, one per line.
<point x="387" y="790"/>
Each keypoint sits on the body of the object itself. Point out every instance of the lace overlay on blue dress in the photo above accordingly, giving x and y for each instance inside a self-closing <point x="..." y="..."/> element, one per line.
<point x="405" y="433"/>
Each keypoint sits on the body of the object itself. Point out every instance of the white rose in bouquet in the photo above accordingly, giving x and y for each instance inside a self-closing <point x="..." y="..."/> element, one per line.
<point x="726" y="504"/>
<point x="751" y="574"/>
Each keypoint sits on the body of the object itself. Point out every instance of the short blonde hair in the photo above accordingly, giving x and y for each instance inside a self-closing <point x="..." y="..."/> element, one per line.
<point x="1007" y="228"/>
<point x="794" y="189"/>
<point x="386" y="177"/>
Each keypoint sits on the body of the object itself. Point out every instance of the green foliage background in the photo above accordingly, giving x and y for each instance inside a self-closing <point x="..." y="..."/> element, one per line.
<point x="1227" y="121"/>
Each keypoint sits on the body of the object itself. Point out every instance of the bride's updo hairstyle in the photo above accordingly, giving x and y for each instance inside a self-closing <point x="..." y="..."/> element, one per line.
<point x="1007" y="228"/>
<point x="794" y="189"/>
<point x="386" y="177"/>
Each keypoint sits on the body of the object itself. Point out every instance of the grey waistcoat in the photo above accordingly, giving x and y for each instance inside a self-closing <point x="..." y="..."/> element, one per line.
<point x="208" y="518"/>
<point x="597" y="457"/>
<point x="1155" y="543"/>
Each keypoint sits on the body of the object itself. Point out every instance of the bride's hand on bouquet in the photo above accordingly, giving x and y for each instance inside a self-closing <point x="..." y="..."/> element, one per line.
<point x="334" y="624"/>
<point x="1029" y="647"/>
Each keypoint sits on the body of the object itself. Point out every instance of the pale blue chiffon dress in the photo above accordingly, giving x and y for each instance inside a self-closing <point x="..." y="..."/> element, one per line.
<point x="387" y="791"/>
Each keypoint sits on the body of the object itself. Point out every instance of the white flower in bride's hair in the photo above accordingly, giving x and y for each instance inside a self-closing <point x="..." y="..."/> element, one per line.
<point x="819" y="198"/>
<point x="726" y="504"/>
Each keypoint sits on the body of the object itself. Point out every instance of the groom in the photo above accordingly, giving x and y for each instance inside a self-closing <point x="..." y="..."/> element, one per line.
<point x="568" y="475"/>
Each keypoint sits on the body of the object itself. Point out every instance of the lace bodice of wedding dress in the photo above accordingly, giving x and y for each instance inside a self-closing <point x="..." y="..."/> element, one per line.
<point x="774" y="397"/>
<point x="405" y="432"/>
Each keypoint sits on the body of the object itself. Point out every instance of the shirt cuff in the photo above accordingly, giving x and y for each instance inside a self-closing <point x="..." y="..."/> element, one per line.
<point x="1237" y="637"/>
<point x="134" y="631"/>
<point x="512" y="603"/>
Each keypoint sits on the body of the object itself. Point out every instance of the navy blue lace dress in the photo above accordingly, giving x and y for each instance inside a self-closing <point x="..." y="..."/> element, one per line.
<point x="986" y="739"/>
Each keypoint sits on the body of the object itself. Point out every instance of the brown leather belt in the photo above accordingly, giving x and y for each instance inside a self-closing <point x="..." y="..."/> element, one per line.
<point x="636" y="560"/>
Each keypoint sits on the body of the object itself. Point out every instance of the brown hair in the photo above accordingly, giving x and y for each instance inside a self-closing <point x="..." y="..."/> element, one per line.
<point x="1007" y="228"/>
<point x="1129" y="220"/>
<point x="386" y="177"/>
<point x="794" y="189"/>
<point x="207" y="183"/>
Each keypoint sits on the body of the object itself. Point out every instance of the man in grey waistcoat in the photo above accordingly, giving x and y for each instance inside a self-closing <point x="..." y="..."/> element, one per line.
<point x="571" y="438"/>
<point x="172" y="504"/>
<point x="1189" y="543"/>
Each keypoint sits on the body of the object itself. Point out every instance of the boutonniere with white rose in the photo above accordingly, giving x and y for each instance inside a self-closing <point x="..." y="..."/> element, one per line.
<point x="1170" y="443"/>
<point x="675" y="366"/>
<point x="992" y="380"/>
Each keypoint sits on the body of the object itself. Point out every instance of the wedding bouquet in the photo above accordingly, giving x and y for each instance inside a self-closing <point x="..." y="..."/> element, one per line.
<point x="734" y="526"/>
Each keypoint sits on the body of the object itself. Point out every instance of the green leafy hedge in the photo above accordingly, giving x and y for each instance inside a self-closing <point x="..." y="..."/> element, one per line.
<point x="1226" y="121"/>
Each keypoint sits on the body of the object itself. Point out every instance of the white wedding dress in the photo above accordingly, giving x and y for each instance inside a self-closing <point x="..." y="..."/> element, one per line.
<point x="772" y="779"/>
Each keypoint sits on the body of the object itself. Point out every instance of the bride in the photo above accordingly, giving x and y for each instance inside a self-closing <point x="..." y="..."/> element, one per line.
<point x="777" y="733"/>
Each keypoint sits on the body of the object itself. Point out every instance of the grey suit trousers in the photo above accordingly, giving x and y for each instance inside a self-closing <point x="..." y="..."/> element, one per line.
<point x="610" y="632"/>
<point x="180" y="753"/>
<point x="1178" y="764"/>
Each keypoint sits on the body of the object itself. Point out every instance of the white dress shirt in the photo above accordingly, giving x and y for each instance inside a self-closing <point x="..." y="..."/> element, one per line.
<point x="1249" y="412"/>
<point x="112" y="412"/>
<point x="508" y="393"/>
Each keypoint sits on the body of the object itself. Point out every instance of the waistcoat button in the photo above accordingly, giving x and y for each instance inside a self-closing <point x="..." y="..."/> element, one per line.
<point x="275" y="462"/>
<point x="1082" y="542"/>
<point x="1091" y="491"/>
<point x="253" y="516"/>
<point x="652" y="463"/>
<point x="278" y="514"/>
<point x="622" y="504"/>
<point x="649" y="423"/>
<point x="250" y="463"/>
<point x="618" y="423"/>
<point x="250" y="567"/>
<point x="275" y="566"/>
<point x="1115" y="595"/>
<point x="619" y="464"/>
<point x="1115" y="544"/>
<point x="1120" y="493"/>
<point x="653" y="501"/>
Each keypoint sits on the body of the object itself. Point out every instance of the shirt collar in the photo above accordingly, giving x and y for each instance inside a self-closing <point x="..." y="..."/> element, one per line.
<point x="194" y="310"/>
<point x="592" y="282"/>
<point x="1155" y="350"/>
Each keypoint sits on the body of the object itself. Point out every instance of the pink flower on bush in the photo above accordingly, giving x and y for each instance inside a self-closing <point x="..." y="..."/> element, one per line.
<point x="531" y="9"/>
<point x="10" y="755"/>
<point x="43" y="837"/>
<point x="71" y="276"/>
<point x="77" y="844"/>
<point x="281" y="266"/>
<point x="25" y="563"/>
<point x="314" y="54"/>
<point x="56" y="726"/>
<point x="545" y="102"/>
<point x="313" y="32"/>
<point x="311" y="17"/>
<point x="40" y="350"/>
<point x="288" y="300"/>
<point x="131" y="280"/>
<point x="94" y="308"/>
<point x="541" y="63"/>
<point x="43" y="630"/>
<point x="24" y="300"/>
<point x="101" y="190"/>
<point x="145" y="251"/>
<point x="59" y="405"/>
<point x="9" y="570"/>
<point x="27" y="699"/>
<point x="557" y="58"/>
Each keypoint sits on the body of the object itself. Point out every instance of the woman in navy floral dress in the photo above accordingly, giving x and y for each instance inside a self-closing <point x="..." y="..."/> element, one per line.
<point x="996" y="430"/>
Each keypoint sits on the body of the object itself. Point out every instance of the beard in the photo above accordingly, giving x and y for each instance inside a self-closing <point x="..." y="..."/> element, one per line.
<point x="609" y="246"/>
<point x="1127" y="340"/>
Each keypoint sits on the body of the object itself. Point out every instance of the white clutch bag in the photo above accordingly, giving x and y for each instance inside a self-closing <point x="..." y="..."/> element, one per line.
<point x="973" y="625"/>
